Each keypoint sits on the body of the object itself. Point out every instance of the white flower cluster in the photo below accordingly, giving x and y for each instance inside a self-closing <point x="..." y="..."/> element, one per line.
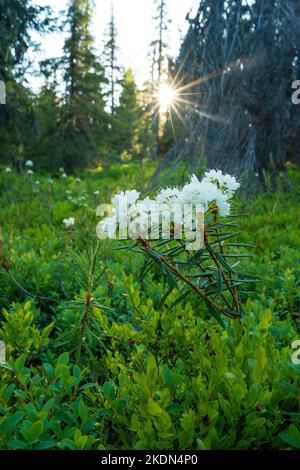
<point x="215" y="189"/>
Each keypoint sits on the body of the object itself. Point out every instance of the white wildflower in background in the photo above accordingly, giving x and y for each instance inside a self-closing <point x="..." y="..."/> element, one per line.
<point x="29" y="172"/>
<point x="8" y="170"/>
<point x="96" y="193"/>
<point x="64" y="175"/>
<point x="37" y="182"/>
<point x="29" y="163"/>
<point x="69" y="222"/>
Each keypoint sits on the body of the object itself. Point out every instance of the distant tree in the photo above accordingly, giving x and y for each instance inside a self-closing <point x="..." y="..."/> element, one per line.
<point x="127" y="115"/>
<point x="159" y="44"/>
<point x="110" y="53"/>
<point x="18" y="19"/>
<point x="83" y="120"/>
<point x="147" y="138"/>
<point x="48" y="150"/>
<point x="17" y="125"/>
<point x="159" y="67"/>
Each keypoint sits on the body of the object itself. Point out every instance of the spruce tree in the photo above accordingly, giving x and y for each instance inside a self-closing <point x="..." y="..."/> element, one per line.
<point x="159" y="64"/>
<point x="18" y="19"/>
<point x="83" y="119"/>
<point x="127" y="115"/>
<point x="159" y="44"/>
<point x="112" y="67"/>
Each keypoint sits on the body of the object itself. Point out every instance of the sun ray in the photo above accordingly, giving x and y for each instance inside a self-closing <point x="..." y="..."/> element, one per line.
<point x="174" y="108"/>
<point x="176" y="97"/>
<point x="172" y="123"/>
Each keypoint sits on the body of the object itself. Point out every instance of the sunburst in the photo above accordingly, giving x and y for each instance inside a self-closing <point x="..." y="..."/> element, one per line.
<point x="173" y="97"/>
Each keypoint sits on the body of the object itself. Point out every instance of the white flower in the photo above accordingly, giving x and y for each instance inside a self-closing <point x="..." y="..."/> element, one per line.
<point x="197" y="192"/>
<point x="29" y="163"/>
<point x="69" y="222"/>
<point x="8" y="170"/>
<point x="96" y="193"/>
<point x="125" y="198"/>
<point x="214" y="187"/>
<point x="168" y="196"/>
<point x="139" y="226"/>
<point x="68" y="191"/>
<point x="223" y="205"/>
<point x="226" y="182"/>
<point x="64" y="175"/>
<point x="37" y="182"/>
<point x="141" y="207"/>
<point x="29" y="172"/>
<point x="214" y="190"/>
<point x="107" y="227"/>
<point x="61" y="169"/>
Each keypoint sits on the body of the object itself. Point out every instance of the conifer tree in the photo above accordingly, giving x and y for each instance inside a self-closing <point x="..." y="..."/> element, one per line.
<point x="111" y="61"/>
<point x="127" y="114"/>
<point x="84" y="120"/>
<point x="18" y="19"/>
<point x="159" y="67"/>
<point x="159" y="44"/>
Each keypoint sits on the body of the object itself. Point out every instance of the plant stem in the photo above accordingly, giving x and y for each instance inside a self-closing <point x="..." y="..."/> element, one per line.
<point x="181" y="276"/>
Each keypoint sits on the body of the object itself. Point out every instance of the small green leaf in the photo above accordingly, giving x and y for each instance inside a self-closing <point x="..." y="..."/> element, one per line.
<point x="63" y="358"/>
<point x="32" y="431"/>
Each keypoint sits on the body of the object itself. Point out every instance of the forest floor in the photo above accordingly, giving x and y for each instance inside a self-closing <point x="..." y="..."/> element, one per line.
<point x="117" y="386"/>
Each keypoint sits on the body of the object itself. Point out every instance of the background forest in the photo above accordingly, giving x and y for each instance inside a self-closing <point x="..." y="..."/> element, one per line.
<point x="110" y="345"/>
<point x="234" y="71"/>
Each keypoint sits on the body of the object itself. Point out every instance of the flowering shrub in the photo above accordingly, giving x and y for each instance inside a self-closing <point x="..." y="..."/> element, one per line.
<point x="211" y="272"/>
<point x="213" y="193"/>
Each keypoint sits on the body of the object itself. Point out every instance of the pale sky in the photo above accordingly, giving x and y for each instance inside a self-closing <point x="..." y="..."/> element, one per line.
<point x="135" y="27"/>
